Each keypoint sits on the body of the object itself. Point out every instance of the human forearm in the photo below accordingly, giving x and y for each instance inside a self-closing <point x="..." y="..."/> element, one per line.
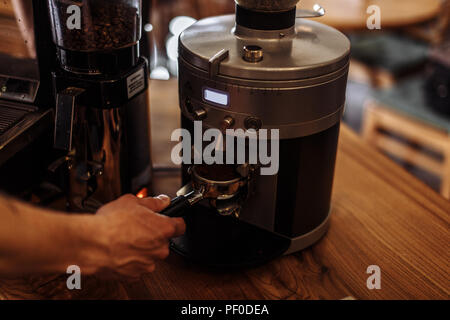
<point x="34" y="240"/>
<point x="126" y="237"/>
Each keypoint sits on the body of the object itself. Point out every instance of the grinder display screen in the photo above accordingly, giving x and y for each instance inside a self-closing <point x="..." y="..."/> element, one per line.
<point x="216" y="97"/>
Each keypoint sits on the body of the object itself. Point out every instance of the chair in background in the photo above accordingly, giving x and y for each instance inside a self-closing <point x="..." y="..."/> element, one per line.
<point x="380" y="59"/>
<point x="403" y="111"/>
<point x="436" y="30"/>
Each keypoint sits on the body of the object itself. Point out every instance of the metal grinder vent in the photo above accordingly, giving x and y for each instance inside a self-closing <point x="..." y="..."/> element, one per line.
<point x="9" y="117"/>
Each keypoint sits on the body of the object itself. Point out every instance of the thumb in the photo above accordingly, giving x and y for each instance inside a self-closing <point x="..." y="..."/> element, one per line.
<point x="156" y="204"/>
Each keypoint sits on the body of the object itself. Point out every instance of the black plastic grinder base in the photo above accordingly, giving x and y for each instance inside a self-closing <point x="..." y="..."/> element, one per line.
<point x="225" y="242"/>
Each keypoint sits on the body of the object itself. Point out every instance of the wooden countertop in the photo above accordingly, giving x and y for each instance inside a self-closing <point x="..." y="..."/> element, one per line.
<point x="381" y="216"/>
<point x="352" y="14"/>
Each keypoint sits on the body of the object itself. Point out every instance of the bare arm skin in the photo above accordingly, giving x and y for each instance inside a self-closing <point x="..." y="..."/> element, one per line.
<point x="126" y="237"/>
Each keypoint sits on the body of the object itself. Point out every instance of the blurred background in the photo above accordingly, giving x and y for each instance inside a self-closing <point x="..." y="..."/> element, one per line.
<point x="166" y="19"/>
<point x="398" y="91"/>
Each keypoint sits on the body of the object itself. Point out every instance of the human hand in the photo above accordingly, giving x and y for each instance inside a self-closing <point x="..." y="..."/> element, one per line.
<point x="135" y="235"/>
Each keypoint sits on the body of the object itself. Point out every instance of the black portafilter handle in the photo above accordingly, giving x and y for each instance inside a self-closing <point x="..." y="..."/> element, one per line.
<point x="180" y="204"/>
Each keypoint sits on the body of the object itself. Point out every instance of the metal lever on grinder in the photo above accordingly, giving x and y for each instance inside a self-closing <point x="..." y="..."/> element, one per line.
<point x="317" y="12"/>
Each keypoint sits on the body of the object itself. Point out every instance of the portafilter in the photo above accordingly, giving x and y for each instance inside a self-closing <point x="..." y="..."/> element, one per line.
<point x="219" y="183"/>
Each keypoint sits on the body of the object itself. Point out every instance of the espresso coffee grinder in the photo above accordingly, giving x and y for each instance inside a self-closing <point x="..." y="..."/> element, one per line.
<point x="264" y="68"/>
<point x="26" y="113"/>
<point x="102" y="112"/>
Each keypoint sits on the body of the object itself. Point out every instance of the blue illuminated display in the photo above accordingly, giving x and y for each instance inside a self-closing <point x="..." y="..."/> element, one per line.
<point x="216" y="97"/>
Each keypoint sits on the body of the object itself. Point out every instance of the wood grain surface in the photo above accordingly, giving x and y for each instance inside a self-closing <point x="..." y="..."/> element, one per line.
<point x="352" y="14"/>
<point x="381" y="216"/>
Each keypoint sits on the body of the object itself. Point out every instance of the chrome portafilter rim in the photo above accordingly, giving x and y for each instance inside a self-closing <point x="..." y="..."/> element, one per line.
<point x="216" y="189"/>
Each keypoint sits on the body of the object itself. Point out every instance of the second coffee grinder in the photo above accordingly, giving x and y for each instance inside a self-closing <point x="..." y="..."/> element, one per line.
<point x="102" y="113"/>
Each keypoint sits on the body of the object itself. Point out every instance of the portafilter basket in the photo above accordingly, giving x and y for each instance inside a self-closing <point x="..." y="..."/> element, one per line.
<point x="214" y="182"/>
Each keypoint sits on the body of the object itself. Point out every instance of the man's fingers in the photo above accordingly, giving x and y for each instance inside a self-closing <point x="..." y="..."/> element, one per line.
<point x="180" y="226"/>
<point x="156" y="204"/>
<point x="162" y="253"/>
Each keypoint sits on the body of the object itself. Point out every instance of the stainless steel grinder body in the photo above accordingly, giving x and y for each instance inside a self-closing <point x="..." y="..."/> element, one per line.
<point x="291" y="79"/>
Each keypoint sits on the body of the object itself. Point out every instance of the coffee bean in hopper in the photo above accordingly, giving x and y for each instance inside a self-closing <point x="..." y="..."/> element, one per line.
<point x="106" y="24"/>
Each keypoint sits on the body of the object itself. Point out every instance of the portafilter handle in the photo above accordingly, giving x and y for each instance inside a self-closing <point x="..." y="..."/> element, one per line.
<point x="180" y="204"/>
